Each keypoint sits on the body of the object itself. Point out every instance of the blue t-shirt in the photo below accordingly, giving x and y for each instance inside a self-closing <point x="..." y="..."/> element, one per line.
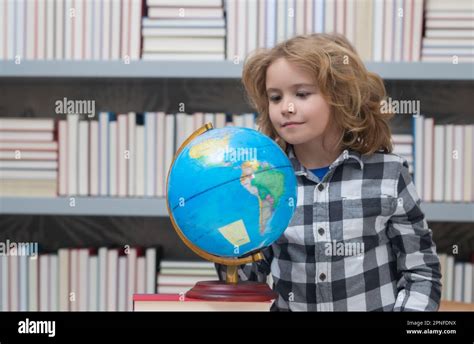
<point x="320" y="172"/>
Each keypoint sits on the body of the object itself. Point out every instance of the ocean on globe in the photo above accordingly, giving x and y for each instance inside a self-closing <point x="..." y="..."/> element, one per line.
<point x="231" y="191"/>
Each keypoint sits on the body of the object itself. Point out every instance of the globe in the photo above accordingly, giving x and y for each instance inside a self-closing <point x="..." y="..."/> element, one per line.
<point x="231" y="191"/>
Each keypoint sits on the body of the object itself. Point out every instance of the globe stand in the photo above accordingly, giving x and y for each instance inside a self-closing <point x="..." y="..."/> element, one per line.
<point x="232" y="290"/>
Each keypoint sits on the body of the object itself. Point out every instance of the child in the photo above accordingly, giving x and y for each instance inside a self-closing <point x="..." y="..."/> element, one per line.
<point x="358" y="240"/>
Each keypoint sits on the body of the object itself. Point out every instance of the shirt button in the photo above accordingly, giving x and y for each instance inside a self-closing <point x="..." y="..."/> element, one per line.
<point x="322" y="276"/>
<point x="320" y="187"/>
<point x="321" y="231"/>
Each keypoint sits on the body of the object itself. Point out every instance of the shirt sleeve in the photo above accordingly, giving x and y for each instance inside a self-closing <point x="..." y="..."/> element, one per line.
<point x="419" y="286"/>
<point x="257" y="271"/>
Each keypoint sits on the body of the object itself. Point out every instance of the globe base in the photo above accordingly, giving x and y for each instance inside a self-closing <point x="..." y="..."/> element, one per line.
<point x="246" y="291"/>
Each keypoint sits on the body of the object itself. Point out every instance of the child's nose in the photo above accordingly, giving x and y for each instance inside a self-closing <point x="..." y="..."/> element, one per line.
<point x="288" y="108"/>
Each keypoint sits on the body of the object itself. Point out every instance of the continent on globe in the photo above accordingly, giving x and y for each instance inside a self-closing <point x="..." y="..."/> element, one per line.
<point x="235" y="233"/>
<point x="264" y="183"/>
<point x="211" y="152"/>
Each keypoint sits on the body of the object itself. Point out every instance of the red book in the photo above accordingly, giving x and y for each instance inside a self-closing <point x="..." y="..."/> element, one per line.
<point x="179" y="302"/>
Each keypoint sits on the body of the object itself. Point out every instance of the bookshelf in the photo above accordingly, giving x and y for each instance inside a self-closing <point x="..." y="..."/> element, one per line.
<point x="211" y="69"/>
<point x="156" y="207"/>
<point x="87" y="206"/>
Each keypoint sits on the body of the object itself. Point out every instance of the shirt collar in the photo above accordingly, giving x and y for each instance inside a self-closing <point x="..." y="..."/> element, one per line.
<point x="346" y="155"/>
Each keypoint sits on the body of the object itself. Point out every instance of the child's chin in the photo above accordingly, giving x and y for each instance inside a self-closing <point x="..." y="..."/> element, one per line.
<point x="294" y="141"/>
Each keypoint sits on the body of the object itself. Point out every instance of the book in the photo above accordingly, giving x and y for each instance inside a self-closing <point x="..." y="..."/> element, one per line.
<point x="28" y="155"/>
<point x="30" y="146"/>
<point x="161" y="169"/>
<point x="93" y="279"/>
<point x="72" y="156"/>
<point x="428" y="159"/>
<point x="189" y="272"/>
<point x="64" y="267"/>
<point x="439" y="163"/>
<point x="177" y="302"/>
<point x="83" y="158"/>
<point x="172" y="264"/>
<point x="185" y="12"/>
<point x="182" y="279"/>
<point x="184" y="44"/>
<point x="94" y="159"/>
<point x="112" y="280"/>
<point x="25" y="135"/>
<point x="183" y="31"/>
<point x="184" y="3"/>
<point x="41" y="124"/>
<point x="185" y="56"/>
<point x="151" y="257"/>
<point x="28" y="188"/>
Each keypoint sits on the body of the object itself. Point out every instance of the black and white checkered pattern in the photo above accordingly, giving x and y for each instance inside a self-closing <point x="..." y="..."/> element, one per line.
<point x="358" y="241"/>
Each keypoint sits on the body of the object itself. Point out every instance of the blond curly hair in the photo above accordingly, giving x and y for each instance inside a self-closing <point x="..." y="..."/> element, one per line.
<point x="353" y="93"/>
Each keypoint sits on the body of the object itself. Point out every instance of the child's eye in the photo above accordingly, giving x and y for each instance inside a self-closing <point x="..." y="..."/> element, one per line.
<point x="302" y="94"/>
<point x="274" y="98"/>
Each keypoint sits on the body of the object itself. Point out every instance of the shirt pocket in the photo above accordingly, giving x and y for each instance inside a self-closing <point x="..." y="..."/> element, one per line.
<point x="381" y="204"/>
<point x="367" y="218"/>
<point x="373" y="198"/>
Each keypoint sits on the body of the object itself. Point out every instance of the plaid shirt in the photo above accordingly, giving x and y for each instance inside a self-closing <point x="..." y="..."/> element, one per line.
<point x="358" y="241"/>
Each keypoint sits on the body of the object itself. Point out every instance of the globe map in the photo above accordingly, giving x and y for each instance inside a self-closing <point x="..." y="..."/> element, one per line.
<point x="231" y="191"/>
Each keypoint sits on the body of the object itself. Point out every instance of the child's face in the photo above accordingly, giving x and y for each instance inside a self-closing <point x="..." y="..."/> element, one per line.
<point x="297" y="109"/>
